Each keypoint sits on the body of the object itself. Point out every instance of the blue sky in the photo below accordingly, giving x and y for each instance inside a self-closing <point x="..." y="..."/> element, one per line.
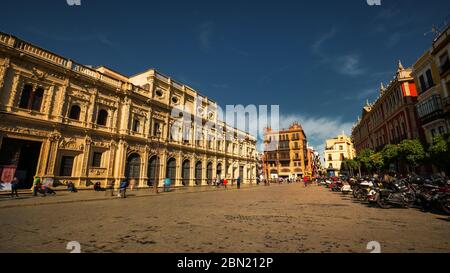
<point x="319" y="60"/>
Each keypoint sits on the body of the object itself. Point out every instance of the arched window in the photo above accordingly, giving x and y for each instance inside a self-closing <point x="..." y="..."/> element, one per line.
<point x="152" y="171"/>
<point x="219" y="170"/>
<point x="102" y="117"/>
<point x="198" y="173"/>
<point x="171" y="170"/>
<point x="209" y="173"/>
<point x="186" y="173"/>
<point x="133" y="167"/>
<point x="75" y="111"/>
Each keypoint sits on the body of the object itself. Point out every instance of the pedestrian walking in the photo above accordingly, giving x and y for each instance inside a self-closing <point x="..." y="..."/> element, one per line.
<point x="225" y="183"/>
<point x="238" y="183"/>
<point x="36" y="186"/>
<point x="123" y="189"/>
<point x="167" y="183"/>
<point x="14" y="187"/>
<point x="71" y="187"/>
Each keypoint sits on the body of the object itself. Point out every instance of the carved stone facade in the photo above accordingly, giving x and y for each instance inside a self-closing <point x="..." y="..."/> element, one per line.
<point x="90" y="125"/>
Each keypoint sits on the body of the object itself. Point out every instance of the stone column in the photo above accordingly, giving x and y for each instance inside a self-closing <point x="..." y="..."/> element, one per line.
<point x="192" y="172"/>
<point x="144" y="171"/>
<point x="86" y="156"/>
<point x="62" y="100"/>
<point x="121" y="158"/>
<point x="114" y="120"/>
<point x="204" y="164"/>
<point x="43" y="158"/>
<point x="162" y="167"/>
<point x="13" y="95"/>
<point x="178" y="182"/>
<point x="3" y="72"/>
<point x="112" y="159"/>
<point x="91" y="109"/>
<point x="52" y="155"/>
<point x="49" y="102"/>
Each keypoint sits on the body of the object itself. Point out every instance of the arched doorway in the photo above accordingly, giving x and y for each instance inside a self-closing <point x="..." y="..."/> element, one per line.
<point x="219" y="170"/>
<point x="186" y="172"/>
<point x="171" y="170"/>
<point x="198" y="173"/>
<point x="209" y="173"/>
<point x="152" y="171"/>
<point x="133" y="167"/>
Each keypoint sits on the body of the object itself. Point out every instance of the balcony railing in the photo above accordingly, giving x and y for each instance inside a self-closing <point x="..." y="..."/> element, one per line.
<point x="430" y="108"/>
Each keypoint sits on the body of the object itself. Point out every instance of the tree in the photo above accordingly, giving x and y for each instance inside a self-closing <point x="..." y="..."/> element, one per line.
<point x="377" y="162"/>
<point x="353" y="165"/>
<point x="390" y="154"/>
<point x="364" y="159"/>
<point x="349" y="166"/>
<point x="439" y="152"/>
<point x="411" y="152"/>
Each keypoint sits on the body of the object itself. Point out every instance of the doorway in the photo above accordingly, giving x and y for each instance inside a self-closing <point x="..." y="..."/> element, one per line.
<point x="20" y="157"/>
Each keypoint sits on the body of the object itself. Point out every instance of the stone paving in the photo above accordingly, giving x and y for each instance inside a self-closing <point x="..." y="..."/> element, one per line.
<point x="275" y="219"/>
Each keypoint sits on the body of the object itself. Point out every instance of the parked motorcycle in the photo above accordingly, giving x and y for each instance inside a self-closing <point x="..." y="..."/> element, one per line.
<point x="397" y="193"/>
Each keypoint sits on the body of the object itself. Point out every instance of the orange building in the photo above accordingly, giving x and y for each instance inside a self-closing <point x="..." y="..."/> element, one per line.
<point x="286" y="153"/>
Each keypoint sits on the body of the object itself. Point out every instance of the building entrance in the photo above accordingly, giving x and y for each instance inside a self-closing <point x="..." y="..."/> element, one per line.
<point x="19" y="158"/>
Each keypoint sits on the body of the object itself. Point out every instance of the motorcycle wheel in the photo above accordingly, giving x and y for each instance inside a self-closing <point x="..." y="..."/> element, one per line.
<point x="410" y="201"/>
<point x="361" y="196"/>
<point x="382" y="203"/>
<point x="445" y="204"/>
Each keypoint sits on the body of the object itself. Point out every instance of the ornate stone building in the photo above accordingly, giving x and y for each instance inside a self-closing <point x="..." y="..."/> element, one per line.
<point x="63" y="121"/>
<point x="392" y="117"/>
<point x="286" y="153"/>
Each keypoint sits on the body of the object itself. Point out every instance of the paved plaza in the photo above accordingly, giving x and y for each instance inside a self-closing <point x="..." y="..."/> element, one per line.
<point x="275" y="219"/>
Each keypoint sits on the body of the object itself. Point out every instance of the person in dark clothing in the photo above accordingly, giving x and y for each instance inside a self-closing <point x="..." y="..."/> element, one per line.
<point x="97" y="186"/>
<point x="71" y="187"/>
<point x="15" y="187"/>
<point x="238" y="182"/>
<point x="36" y="186"/>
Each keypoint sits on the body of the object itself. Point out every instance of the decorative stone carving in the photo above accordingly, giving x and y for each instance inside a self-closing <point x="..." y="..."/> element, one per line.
<point x="39" y="74"/>
<point x="70" y="144"/>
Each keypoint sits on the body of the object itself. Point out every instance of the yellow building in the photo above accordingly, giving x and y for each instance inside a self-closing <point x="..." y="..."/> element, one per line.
<point x="286" y="153"/>
<point x="62" y="121"/>
<point x="441" y="53"/>
<point x="336" y="151"/>
<point x="431" y="96"/>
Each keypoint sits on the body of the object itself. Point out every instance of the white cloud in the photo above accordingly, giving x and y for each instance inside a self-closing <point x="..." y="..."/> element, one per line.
<point x="362" y="94"/>
<point x="205" y="33"/>
<point x="316" y="47"/>
<point x="348" y="65"/>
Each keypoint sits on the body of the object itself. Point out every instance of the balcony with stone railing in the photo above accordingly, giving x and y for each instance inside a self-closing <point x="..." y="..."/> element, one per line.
<point x="45" y="55"/>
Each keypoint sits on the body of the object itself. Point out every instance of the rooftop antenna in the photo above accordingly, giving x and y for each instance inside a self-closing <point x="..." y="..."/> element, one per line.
<point x="437" y="30"/>
<point x="433" y="30"/>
